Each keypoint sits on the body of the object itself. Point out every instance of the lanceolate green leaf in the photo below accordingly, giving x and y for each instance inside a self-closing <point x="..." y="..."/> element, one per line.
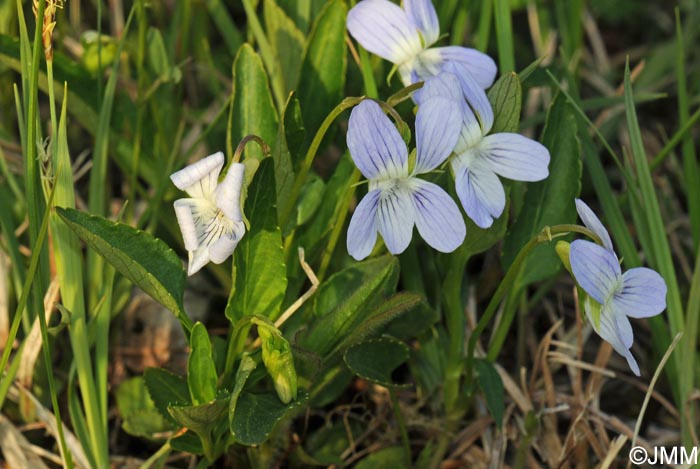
<point x="260" y="273"/>
<point x="506" y="96"/>
<point x="344" y="302"/>
<point x="286" y="149"/>
<point x="549" y="202"/>
<point x="245" y="368"/>
<point x="323" y="71"/>
<point x="201" y="372"/>
<point x="287" y="43"/>
<point x="143" y="259"/>
<point x="253" y="109"/>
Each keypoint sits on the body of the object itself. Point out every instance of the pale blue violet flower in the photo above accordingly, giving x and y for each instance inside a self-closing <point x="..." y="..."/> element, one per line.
<point x="397" y="200"/>
<point x="403" y="36"/>
<point x="210" y="219"/>
<point x="637" y="293"/>
<point x="480" y="158"/>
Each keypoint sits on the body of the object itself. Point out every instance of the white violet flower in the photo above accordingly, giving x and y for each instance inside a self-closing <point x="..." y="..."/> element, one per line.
<point x="210" y="219"/>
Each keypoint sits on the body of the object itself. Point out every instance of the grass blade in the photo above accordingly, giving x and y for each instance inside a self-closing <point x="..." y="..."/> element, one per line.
<point x="660" y="255"/>
<point x="504" y="36"/>
<point x="691" y="171"/>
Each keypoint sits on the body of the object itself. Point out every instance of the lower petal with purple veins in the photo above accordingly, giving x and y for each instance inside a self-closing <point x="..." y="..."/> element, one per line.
<point x="515" y="157"/>
<point x="480" y="192"/>
<point x="395" y="217"/>
<point x="362" y="232"/>
<point x="438" y="218"/>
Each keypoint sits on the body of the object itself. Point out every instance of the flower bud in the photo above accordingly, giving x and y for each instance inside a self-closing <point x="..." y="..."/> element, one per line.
<point x="279" y="362"/>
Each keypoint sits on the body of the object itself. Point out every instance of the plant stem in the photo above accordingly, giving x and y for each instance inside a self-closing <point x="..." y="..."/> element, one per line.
<point x="339" y="225"/>
<point x="345" y="104"/>
<point x="46" y="346"/>
<point x="509" y="282"/>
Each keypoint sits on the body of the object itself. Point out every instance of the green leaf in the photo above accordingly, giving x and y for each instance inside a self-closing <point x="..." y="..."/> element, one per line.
<point x="412" y="322"/>
<point x="299" y="11"/>
<point x="372" y="321"/>
<point x="322" y="77"/>
<point x="157" y="55"/>
<point x="255" y="415"/>
<point x="260" y="273"/>
<point x="143" y="259"/>
<point x="287" y="43"/>
<point x="506" y="97"/>
<point x="376" y="359"/>
<point x="140" y="417"/>
<point x="549" y="202"/>
<point x="201" y="371"/>
<point x="290" y="136"/>
<point x="201" y="419"/>
<point x="344" y="300"/>
<point x="245" y="368"/>
<point x="312" y="236"/>
<point x="310" y="198"/>
<point x="492" y="387"/>
<point x="253" y="108"/>
<point x="165" y="389"/>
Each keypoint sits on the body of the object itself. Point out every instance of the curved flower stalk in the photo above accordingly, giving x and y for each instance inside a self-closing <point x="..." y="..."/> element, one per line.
<point x="210" y="220"/>
<point x="481" y="158"/>
<point x="397" y="200"/>
<point x="403" y="36"/>
<point x="612" y="296"/>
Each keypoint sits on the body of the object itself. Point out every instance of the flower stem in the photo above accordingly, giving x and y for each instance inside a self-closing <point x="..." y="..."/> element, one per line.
<point x="345" y="104"/>
<point x="339" y="225"/>
<point x="509" y="282"/>
<point x="242" y="144"/>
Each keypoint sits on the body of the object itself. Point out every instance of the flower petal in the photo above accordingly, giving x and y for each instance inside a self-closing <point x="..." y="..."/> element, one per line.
<point x="375" y="145"/>
<point x="228" y="193"/>
<point x="383" y="28"/>
<point x="362" y="232"/>
<point x="480" y="66"/>
<point x="447" y="85"/>
<point x="197" y="259"/>
<point x="515" y="157"/>
<point x="642" y="295"/>
<point x="424" y="16"/>
<point x="438" y="125"/>
<point x="444" y="84"/>
<point x="438" y="218"/>
<point x="395" y="218"/>
<point x="593" y="223"/>
<point x="480" y="192"/>
<point x="617" y="331"/>
<point x="223" y="247"/>
<point x="199" y="179"/>
<point x="595" y="268"/>
<point x="183" y="213"/>
<point x="474" y="94"/>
